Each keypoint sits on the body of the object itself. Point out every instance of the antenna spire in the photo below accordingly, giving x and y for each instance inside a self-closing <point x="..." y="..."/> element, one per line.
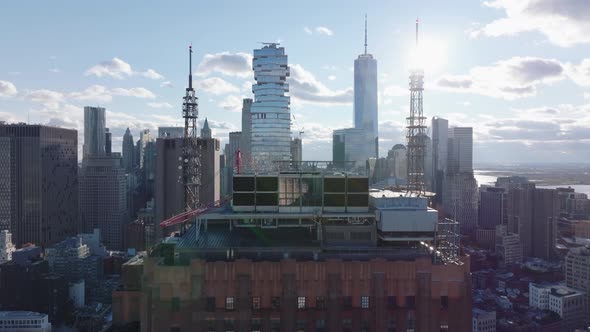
<point x="417" y="22"/>
<point x="190" y="67"/>
<point x="365" y="33"/>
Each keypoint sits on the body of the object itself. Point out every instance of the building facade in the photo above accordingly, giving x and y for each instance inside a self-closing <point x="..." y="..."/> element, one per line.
<point x="440" y="142"/>
<point x="94" y="131"/>
<point x="170" y="132"/>
<point x="24" y="321"/>
<point x="270" y="112"/>
<point x="38" y="183"/>
<point x="577" y="273"/>
<point x="365" y="102"/>
<point x="103" y="198"/>
<point x="128" y="150"/>
<point x="348" y="147"/>
<point x="246" y="138"/>
<point x="483" y="321"/>
<point x="296" y="149"/>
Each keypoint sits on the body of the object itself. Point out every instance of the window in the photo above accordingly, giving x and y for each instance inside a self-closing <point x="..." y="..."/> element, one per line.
<point x="229" y="303"/>
<point x="320" y="302"/>
<point x="444" y="302"/>
<point x="410" y="302"/>
<point x="256" y="303"/>
<point x="391" y="302"/>
<point x="301" y="302"/>
<point x="365" y="302"/>
<point x="347" y="302"/>
<point x="210" y="305"/>
<point x="275" y="303"/>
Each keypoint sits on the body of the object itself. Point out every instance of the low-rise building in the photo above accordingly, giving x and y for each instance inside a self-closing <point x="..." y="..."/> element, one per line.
<point x="25" y="321"/>
<point x="483" y="321"/>
<point x="568" y="303"/>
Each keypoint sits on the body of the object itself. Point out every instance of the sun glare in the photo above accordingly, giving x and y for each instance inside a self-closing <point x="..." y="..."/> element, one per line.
<point x="430" y="55"/>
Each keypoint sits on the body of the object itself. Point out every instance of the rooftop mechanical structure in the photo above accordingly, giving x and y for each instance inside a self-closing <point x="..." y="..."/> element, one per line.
<point x="416" y="129"/>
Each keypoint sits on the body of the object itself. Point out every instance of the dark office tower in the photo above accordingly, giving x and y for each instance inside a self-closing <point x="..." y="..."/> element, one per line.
<point x="168" y="188"/>
<point x="137" y="154"/>
<point x="38" y="183"/>
<point x="206" y="131"/>
<point x="519" y="215"/>
<point x="108" y="142"/>
<point x="545" y="213"/>
<point x="103" y="198"/>
<point x="128" y="151"/>
<point x="149" y="168"/>
<point x="491" y="207"/>
<point x="94" y="131"/>
<point x="440" y="139"/>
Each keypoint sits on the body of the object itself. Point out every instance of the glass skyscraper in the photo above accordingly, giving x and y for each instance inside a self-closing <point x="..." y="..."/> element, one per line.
<point x="365" y="101"/>
<point x="271" y="116"/>
<point x="94" y="131"/>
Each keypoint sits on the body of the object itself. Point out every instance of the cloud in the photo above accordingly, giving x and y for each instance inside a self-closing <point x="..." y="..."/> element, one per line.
<point x="216" y="86"/>
<point x="134" y="92"/>
<point x="115" y="68"/>
<point x="306" y="88"/>
<point x="47" y="98"/>
<point x="580" y="73"/>
<point x="231" y="103"/>
<point x="119" y="69"/>
<point x="230" y="64"/>
<point x="324" y="31"/>
<point x="159" y="105"/>
<point x="332" y="78"/>
<point x="54" y="70"/>
<point x="152" y="74"/>
<point x="95" y="93"/>
<point x="320" y="30"/>
<point x="564" y="22"/>
<point x="517" y="77"/>
<point x="166" y="84"/>
<point x="7" y="89"/>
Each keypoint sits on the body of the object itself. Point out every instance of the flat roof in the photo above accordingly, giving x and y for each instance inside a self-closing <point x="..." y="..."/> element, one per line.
<point x="21" y="314"/>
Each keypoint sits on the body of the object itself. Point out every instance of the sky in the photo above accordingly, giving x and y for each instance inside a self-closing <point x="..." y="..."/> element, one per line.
<point x="517" y="71"/>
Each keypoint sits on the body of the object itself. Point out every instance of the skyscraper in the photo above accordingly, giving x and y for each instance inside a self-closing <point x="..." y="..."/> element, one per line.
<point x="144" y="138"/>
<point x="365" y="99"/>
<point x="94" y="131"/>
<point x="440" y="130"/>
<point x="348" y="145"/>
<point x="169" y="190"/>
<point x="459" y="185"/>
<point x="103" y="198"/>
<point x="128" y="151"/>
<point x="38" y="183"/>
<point x="246" y="144"/>
<point x="108" y="142"/>
<point x="296" y="149"/>
<point x="544" y="229"/>
<point x="460" y="150"/>
<point x="210" y="189"/>
<point x="206" y="131"/>
<point x="577" y="273"/>
<point x="170" y="132"/>
<point x="271" y="115"/>
<point x="491" y="207"/>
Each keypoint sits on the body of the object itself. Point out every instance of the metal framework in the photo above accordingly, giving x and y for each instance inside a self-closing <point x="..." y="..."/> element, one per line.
<point x="447" y="242"/>
<point x="191" y="159"/>
<point x="416" y="130"/>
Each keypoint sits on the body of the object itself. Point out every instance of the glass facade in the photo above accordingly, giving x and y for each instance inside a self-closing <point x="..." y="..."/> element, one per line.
<point x="350" y="144"/>
<point x="94" y="131"/>
<point x="270" y="113"/>
<point x="365" y="101"/>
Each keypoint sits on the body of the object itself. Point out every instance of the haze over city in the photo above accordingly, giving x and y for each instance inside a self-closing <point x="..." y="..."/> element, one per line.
<point x="516" y="71"/>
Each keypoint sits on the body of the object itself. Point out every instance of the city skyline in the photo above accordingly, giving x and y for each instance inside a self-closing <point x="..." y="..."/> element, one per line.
<point x="521" y="85"/>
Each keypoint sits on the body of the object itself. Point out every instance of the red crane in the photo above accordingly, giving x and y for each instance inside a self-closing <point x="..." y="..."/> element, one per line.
<point x="184" y="217"/>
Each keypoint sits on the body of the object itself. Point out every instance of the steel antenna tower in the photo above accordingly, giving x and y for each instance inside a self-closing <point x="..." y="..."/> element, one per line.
<point x="416" y="129"/>
<point x="191" y="159"/>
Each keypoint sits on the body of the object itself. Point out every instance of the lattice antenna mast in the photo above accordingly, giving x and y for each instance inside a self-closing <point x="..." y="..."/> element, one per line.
<point x="191" y="161"/>
<point x="416" y="129"/>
